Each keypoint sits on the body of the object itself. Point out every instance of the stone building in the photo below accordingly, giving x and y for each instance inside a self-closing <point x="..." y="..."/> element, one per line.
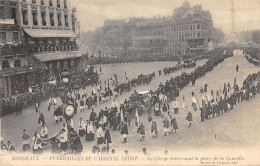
<point x="149" y="36"/>
<point x="48" y="27"/>
<point x="188" y="31"/>
<point x="14" y="58"/>
<point x="33" y="33"/>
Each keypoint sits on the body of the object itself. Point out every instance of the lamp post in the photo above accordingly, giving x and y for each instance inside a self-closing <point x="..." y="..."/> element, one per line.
<point x="99" y="52"/>
<point x="30" y="69"/>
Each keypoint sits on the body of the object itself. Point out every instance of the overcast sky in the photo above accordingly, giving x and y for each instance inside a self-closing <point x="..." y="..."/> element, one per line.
<point x="92" y="13"/>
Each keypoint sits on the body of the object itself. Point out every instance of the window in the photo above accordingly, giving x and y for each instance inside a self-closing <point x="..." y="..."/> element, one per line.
<point x="34" y="14"/>
<point x="190" y="27"/>
<point x="13" y="14"/>
<point x="52" y="19"/>
<point x="15" y="37"/>
<point x="198" y="35"/>
<point x="34" y="1"/>
<point x="23" y="0"/>
<point x="65" y="4"/>
<point x="5" y="64"/>
<point x="42" y="2"/>
<point x="43" y="15"/>
<point x="2" y="37"/>
<point x="59" y="20"/>
<point x="25" y="17"/>
<point x="17" y="63"/>
<point x="66" y="20"/>
<point x="50" y="3"/>
<point x="58" y="3"/>
<point x="198" y="26"/>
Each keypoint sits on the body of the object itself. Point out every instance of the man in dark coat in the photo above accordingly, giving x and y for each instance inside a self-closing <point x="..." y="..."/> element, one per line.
<point x="41" y="119"/>
<point x="107" y="139"/>
<point x="124" y="131"/>
<point x="174" y="124"/>
<point x="141" y="131"/>
<point x="93" y="116"/>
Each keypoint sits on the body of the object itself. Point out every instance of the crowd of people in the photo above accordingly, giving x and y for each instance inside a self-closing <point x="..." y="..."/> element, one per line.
<point x="168" y="70"/>
<point x="171" y="87"/>
<point x="128" y="84"/>
<point x="119" y="116"/>
<point x="42" y="89"/>
<point x="252" y="55"/>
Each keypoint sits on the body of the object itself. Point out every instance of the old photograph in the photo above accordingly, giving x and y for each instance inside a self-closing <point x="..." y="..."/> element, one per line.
<point x="130" y="82"/>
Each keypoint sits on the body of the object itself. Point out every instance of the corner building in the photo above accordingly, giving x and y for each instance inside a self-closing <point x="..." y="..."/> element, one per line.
<point x="189" y="31"/>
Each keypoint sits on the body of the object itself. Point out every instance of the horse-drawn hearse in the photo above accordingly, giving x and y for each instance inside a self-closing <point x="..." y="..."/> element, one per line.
<point x="141" y="101"/>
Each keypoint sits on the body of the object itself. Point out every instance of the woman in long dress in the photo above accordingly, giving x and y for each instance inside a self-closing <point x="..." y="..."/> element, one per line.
<point x="100" y="135"/>
<point x="81" y="127"/>
<point x="89" y="131"/>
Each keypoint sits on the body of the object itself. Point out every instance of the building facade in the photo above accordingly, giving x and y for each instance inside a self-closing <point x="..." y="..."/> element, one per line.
<point x="35" y="34"/>
<point x="14" y="58"/>
<point x="149" y="36"/>
<point x="49" y="27"/>
<point x="188" y="31"/>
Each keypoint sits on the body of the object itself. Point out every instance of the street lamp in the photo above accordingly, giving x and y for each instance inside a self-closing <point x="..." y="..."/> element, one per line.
<point x="99" y="52"/>
<point x="30" y="69"/>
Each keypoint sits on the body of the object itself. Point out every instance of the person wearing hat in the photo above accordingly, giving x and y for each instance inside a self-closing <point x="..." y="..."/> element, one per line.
<point x="124" y="131"/>
<point x="63" y="140"/>
<point x="26" y="144"/>
<point x="166" y="125"/>
<point x="81" y="127"/>
<point x="107" y="139"/>
<point x="37" y="143"/>
<point x="89" y="131"/>
<point x="189" y="118"/>
<point x="141" y="131"/>
<point x="100" y="135"/>
<point x="44" y="132"/>
<point x="154" y="129"/>
<point x="41" y="119"/>
<point x="174" y="124"/>
<point x="175" y="106"/>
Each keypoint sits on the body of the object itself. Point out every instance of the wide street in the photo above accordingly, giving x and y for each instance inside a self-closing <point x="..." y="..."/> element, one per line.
<point x="239" y="127"/>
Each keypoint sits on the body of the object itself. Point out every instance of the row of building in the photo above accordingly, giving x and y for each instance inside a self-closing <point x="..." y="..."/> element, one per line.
<point x="188" y="31"/>
<point x="35" y="34"/>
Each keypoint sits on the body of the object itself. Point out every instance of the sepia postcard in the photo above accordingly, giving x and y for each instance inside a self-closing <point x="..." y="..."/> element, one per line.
<point x="130" y="82"/>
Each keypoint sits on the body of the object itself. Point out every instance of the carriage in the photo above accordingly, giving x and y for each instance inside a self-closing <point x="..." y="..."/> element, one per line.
<point x="141" y="101"/>
<point x="189" y="63"/>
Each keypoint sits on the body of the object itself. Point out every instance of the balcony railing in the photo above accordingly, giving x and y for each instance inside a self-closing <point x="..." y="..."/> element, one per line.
<point x="15" y="50"/>
<point x="6" y="50"/>
<point x="47" y="48"/>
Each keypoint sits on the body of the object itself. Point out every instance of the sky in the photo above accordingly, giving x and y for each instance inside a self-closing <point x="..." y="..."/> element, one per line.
<point x="93" y="13"/>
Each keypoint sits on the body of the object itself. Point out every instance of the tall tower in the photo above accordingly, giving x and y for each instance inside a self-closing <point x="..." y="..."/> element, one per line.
<point x="233" y="34"/>
<point x="232" y="16"/>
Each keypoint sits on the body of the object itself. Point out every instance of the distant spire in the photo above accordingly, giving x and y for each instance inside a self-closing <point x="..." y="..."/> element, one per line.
<point x="186" y="4"/>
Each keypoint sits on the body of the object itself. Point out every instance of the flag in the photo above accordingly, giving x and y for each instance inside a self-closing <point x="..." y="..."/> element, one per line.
<point x="136" y="118"/>
<point x="122" y="116"/>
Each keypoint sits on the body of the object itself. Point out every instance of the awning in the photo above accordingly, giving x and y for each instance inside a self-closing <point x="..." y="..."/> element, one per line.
<point x="39" y="33"/>
<point x="46" y="57"/>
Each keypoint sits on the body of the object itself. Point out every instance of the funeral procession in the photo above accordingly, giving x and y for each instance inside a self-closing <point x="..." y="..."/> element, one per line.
<point x="116" y="77"/>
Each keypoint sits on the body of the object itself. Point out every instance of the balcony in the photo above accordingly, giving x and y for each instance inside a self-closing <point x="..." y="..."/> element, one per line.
<point x="13" y="50"/>
<point x="50" y="48"/>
